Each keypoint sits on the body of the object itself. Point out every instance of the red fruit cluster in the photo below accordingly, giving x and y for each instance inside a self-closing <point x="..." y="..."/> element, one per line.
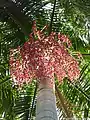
<point x="42" y="58"/>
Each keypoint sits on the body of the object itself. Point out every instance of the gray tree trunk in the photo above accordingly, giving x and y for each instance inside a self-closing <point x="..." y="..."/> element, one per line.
<point x="46" y="102"/>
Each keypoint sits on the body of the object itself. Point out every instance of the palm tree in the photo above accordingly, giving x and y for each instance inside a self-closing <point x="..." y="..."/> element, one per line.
<point x="69" y="90"/>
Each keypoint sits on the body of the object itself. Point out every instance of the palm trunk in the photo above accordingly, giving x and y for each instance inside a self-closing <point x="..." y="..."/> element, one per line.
<point x="46" y="102"/>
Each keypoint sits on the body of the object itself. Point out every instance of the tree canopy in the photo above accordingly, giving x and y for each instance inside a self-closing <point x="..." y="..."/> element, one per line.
<point x="69" y="17"/>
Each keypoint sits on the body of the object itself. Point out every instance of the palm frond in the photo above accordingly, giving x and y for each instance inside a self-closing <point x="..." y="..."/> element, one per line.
<point x="78" y="93"/>
<point x="24" y="103"/>
<point x="64" y="104"/>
